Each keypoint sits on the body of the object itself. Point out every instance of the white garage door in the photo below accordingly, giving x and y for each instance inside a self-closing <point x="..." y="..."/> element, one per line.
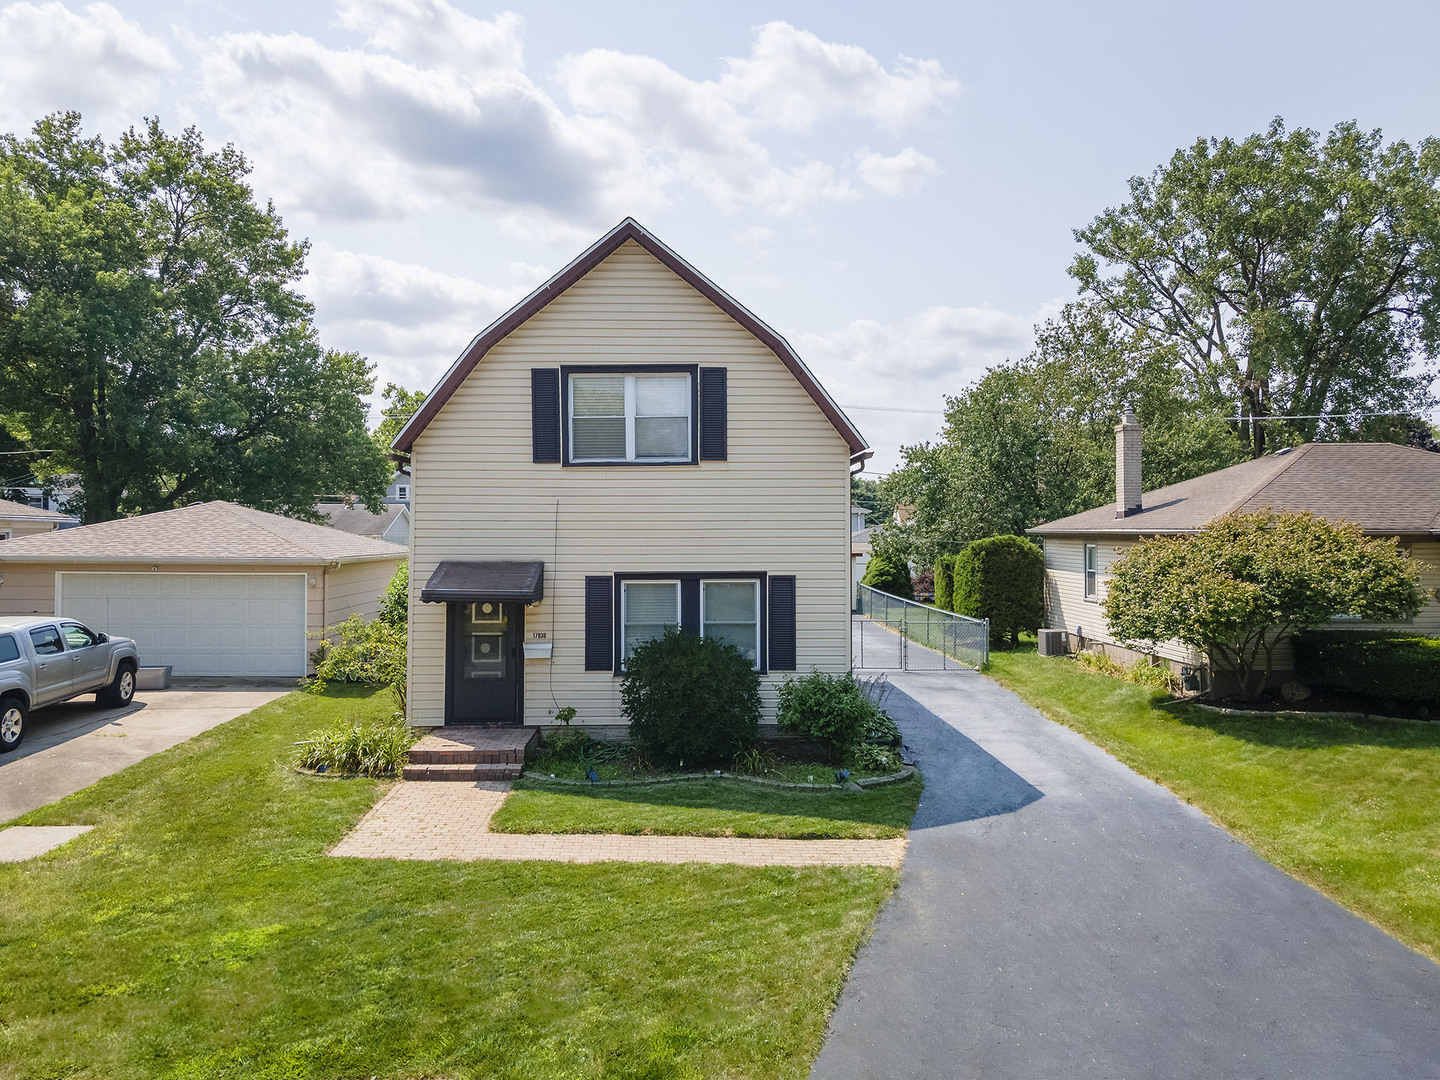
<point x="200" y="624"/>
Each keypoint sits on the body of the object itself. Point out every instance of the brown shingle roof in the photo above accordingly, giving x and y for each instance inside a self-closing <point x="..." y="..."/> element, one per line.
<point x="1388" y="490"/>
<point x="205" y="532"/>
<point x="18" y="511"/>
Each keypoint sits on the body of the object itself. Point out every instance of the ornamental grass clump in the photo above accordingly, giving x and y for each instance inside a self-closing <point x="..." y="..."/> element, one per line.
<point x="369" y="748"/>
<point x="690" y="698"/>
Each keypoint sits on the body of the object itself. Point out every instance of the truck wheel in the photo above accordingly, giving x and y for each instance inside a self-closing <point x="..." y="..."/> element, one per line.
<point x="122" y="691"/>
<point x="12" y="723"/>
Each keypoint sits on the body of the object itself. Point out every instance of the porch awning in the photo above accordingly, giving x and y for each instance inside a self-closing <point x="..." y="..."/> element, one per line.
<point x="467" y="582"/>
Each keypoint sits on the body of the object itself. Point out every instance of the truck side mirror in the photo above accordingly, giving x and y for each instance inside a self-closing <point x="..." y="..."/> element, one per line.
<point x="102" y="638"/>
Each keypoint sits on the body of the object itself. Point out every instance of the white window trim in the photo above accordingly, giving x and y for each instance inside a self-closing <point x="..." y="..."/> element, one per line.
<point x="630" y="398"/>
<point x="1090" y="585"/>
<point x="625" y="608"/>
<point x="402" y="491"/>
<point x="735" y="581"/>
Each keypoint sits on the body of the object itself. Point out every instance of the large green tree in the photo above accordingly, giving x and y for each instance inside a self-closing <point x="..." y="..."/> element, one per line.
<point x="400" y="405"/>
<point x="1291" y="275"/>
<point x="151" y="335"/>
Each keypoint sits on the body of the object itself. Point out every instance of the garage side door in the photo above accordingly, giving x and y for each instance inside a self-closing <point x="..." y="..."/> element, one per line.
<point x="200" y="624"/>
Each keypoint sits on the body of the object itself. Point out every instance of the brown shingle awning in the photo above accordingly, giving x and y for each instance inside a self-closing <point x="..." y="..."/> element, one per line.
<point x="465" y="582"/>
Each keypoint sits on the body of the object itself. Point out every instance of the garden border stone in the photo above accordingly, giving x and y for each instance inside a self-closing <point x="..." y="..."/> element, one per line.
<point x="1307" y="712"/>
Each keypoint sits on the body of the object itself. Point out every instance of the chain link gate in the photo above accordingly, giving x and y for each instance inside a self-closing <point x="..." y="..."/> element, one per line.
<point x="892" y="633"/>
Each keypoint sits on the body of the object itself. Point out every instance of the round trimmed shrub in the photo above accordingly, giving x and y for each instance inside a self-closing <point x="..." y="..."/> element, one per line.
<point x="889" y="575"/>
<point x="690" y="698"/>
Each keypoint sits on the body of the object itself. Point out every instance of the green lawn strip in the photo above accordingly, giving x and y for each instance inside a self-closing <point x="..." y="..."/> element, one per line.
<point x="719" y="807"/>
<point x="200" y="931"/>
<point x="1347" y="806"/>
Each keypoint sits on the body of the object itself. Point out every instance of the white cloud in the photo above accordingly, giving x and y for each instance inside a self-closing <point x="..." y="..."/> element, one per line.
<point x="913" y="365"/>
<point x="792" y="80"/>
<point x="410" y="320"/>
<point x="437" y="109"/>
<point x="900" y="174"/>
<point x="94" y="60"/>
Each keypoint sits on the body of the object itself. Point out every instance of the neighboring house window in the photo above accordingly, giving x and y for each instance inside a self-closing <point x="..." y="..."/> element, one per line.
<point x="631" y="417"/>
<point x="647" y="610"/>
<point x="1092" y="571"/>
<point x="730" y="611"/>
<point x="402" y="491"/>
<point x="4" y="535"/>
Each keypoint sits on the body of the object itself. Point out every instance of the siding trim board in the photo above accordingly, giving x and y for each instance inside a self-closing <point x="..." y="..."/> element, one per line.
<point x="628" y="230"/>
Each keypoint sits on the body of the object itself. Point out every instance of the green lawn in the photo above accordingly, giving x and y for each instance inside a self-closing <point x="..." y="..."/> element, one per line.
<point x="1349" y="806"/>
<point x="718" y="807"/>
<point x="200" y="931"/>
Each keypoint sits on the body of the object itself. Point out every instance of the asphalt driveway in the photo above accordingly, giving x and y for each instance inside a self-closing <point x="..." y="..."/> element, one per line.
<point x="69" y="746"/>
<point x="1060" y="916"/>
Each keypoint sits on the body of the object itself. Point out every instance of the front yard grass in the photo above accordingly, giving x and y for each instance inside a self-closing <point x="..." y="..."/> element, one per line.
<point x="1348" y="806"/>
<point x="719" y="807"/>
<point x="200" y="931"/>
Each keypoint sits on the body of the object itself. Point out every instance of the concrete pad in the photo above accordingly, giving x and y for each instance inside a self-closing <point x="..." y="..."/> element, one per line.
<point x="21" y="842"/>
<point x="69" y="746"/>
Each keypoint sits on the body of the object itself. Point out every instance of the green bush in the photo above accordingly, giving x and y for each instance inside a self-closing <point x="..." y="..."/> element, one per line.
<point x="1002" y="578"/>
<point x="831" y="710"/>
<point x="890" y="575"/>
<point x="690" y="698"/>
<point x="1405" y="667"/>
<point x="395" y="600"/>
<point x="350" y="749"/>
<point x="945" y="583"/>
<point x="361" y="652"/>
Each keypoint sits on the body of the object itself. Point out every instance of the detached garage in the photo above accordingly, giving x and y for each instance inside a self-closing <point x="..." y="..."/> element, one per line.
<point x="213" y="589"/>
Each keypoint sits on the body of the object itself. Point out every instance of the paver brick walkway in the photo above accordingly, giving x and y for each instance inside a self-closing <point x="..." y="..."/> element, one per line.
<point x="451" y="821"/>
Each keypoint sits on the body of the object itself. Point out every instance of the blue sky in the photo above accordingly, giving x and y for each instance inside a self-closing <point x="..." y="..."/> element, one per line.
<point x="892" y="186"/>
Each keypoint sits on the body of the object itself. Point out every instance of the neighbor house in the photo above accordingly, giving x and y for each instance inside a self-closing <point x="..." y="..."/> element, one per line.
<point x="1388" y="490"/>
<point x="208" y="589"/>
<point x="392" y="523"/>
<point x="628" y="449"/>
<point x="22" y="519"/>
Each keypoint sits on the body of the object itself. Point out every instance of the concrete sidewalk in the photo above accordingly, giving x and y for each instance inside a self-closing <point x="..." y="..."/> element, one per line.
<point x="1061" y="916"/>
<point x="69" y="746"/>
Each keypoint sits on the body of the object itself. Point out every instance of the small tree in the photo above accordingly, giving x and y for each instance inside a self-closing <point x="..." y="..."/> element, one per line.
<point x="1246" y="580"/>
<point x="888" y="574"/>
<point x="395" y="600"/>
<point x="1001" y="578"/>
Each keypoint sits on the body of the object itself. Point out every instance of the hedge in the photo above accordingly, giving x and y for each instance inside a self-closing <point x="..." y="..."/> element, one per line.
<point x="889" y="575"/>
<point x="945" y="582"/>
<point x="1002" y="578"/>
<point x="1405" y="667"/>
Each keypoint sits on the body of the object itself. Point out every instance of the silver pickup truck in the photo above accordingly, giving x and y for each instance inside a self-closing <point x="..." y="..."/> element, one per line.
<point x="44" y="659"/>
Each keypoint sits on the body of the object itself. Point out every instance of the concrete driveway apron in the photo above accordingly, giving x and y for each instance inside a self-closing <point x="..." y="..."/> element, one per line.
<point x="69" y="746"/>
<point x="1060" y="916"/>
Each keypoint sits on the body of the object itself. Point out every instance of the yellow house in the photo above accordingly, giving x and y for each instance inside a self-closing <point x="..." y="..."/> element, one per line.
<point x="22" y="519"/>
<point x="625" y="450"/>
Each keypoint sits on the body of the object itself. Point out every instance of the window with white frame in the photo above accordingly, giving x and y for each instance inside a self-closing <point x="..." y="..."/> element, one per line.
<point x="402" y="491"/>
<point x="730" y="611"/>
<point x="647" y="610"/>
<point x="1092" y="571"/>
<point x="640" y="417"/>
<point x="4" y="535"/>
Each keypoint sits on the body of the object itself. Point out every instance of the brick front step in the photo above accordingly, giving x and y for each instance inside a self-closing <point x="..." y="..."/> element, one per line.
<point x="464" y="747"/>
<point x="423" y="755"/>
<point x="463" y="773"/>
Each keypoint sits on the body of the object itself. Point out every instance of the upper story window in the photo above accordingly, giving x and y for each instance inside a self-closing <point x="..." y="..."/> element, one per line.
<point x="1092" y="571"/>
<point x="402" y="491"/>
<point x="631" y="417"/>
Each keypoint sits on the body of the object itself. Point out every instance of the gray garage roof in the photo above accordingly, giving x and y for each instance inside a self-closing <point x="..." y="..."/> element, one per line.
<point x="17" y="511"/>
<point x="1388" y="490"/>
<point x="213" y="532"/>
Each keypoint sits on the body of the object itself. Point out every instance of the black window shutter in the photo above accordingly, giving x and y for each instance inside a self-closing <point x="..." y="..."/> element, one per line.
<point x="545" y="415"/>
<point x="782" y="623"/>
<point x="713" y="413"/>
<point x="599" y="624"/>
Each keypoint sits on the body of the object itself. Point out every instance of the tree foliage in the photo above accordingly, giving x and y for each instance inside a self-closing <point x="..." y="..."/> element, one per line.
<point x="400" y="405"/>
<point x="151" y="336"/>
<point x="1001" y="578"/>
<point x="1289" y="274"/>
<point x="1247" y="579"/>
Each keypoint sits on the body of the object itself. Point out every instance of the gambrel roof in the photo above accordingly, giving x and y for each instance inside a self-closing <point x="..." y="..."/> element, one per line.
<point x="627" y="230"/>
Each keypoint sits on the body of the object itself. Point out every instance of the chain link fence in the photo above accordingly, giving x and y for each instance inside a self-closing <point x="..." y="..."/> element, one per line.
<point x="915" y="637"/>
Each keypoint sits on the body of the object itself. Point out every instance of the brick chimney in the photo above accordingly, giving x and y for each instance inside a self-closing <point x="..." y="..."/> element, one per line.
<point x="1127" y="465"/>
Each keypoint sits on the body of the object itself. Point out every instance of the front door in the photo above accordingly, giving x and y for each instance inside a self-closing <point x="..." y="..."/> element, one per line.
<point x="484" y="663"/>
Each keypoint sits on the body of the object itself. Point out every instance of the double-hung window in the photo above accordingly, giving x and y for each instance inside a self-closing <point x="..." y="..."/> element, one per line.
<point x="647" y="610"/>
<point x="631" y="417"/>
<point x="730" y="611"/>
<point x="1092" y="571"/>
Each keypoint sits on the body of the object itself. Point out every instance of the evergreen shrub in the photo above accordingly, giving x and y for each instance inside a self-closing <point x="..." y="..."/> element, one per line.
<point x="1405" y="667"/>
<point x="1002" y="578"/>
<point x="690" y="698"/>
<point x="890" y="575"/>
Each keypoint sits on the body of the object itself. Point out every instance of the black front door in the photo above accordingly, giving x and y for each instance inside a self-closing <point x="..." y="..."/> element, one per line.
<point x="484" y="663"/>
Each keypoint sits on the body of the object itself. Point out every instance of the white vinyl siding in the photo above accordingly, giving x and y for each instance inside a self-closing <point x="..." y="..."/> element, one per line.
<point x="730" y="611"/>
<point x="779" y="503"/>
<point x="630" y="417"/>
<point x="647" y="610"/>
